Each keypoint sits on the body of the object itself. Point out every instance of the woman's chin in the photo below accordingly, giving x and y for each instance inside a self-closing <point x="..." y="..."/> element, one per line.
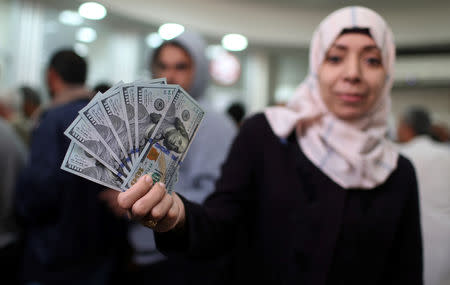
<point x="349" y="113"/>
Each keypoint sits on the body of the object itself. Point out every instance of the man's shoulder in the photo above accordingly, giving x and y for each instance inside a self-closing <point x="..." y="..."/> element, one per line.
<point x="62" y="114"/>
<point x="73" y="106"/>
<point x="66" y="109"/>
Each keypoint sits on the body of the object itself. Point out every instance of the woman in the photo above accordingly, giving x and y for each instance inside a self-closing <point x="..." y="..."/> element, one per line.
<point x="311" y="193"/>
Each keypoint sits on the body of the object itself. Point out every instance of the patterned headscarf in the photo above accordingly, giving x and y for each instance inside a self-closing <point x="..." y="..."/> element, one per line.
<point x="353" y="154"/>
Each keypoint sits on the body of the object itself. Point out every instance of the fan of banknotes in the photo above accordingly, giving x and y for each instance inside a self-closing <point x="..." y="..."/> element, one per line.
<point x="143" y="127"/>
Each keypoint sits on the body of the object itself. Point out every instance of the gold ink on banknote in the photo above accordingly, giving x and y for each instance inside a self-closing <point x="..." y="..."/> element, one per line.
<point x="153" y="154"/>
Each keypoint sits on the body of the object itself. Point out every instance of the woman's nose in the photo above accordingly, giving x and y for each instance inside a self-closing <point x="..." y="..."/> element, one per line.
<point x="353" y="69"/>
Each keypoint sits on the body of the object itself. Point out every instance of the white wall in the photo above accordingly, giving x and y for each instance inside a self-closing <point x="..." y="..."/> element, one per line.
<point x="423" y="68"/>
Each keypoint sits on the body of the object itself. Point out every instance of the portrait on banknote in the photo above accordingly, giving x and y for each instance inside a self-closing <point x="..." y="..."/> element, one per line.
<point x="173" y="135"/>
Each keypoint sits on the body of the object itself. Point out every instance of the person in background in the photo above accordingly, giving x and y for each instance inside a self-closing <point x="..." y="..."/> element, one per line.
<point x="311" y="193"/>
<point x="7" y="108"/>
<point x="71" y="237"/>
<point x="12" y="160"/>
<point x="26" y="121"/>
<point x="237" y="112"/>
<point x="31" y="101"/>
<point x="432" y="163"/>
<point x="183" y="61"/>
<point x="440" y="133"/>
<point x="21" y="107"/>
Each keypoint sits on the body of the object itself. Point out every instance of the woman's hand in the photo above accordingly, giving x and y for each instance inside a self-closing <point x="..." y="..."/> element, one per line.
<point x="109" y="196"/>
<point x="151" y="205"/>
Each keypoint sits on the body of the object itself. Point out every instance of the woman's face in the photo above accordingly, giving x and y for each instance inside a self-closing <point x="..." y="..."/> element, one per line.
<point x="352" y="76"/>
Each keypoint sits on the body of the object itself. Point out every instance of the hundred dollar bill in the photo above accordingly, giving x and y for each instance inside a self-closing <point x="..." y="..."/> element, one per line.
<point x="153" y="101"/>
<point x="78" y="162"/>
<point x="129" y="99"/>
<point x="166" y="148"/>
<point x="84" y="134"/>
<point x="127" y="92"/>
<point x="113" y="105"/>
<point x="95" y="115"/>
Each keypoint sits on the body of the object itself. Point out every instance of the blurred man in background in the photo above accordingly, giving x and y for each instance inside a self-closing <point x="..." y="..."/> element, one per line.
<point x="28" y="115"/>
<point x="70" y="235"/>
<point x="441" y="133"/>
<point x="183" y="61"/>
<point x="102" y="87"/>
<point x="20" y="107"/>
<point x="237" y="112"/>
<point x="12" y="160"/>
<point x="432" y="162"/>
<point x="31" y="101"/>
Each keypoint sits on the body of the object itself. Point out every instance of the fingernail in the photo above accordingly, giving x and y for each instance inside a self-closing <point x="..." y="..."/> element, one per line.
<point x="162" y="184"/>
<point x="148" y="179"/>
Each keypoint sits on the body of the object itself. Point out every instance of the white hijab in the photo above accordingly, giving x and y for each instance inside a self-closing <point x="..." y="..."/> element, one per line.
<point x="356" y="154"/>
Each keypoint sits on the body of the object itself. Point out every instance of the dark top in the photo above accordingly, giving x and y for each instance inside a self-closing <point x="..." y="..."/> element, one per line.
<point x="289" y="223"/>
<point x="69" y="231"/>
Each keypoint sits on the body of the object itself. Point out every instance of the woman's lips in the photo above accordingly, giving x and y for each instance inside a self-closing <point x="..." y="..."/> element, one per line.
<point x="350" y="97"/>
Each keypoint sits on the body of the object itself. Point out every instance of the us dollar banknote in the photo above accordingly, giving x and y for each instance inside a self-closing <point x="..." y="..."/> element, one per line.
<point x="172" y="137"/>
<point x="153" y="101"/>
<point x="84" y="134"/>
<point x="79" y="162"/>
<point x="127" y="91"/>
<point x="94" y="114"/>
<point x="113" y="105"/>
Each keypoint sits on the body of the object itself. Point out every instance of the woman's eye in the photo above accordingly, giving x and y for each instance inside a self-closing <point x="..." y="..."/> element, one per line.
<point x="373" y="61"/>
<point x="334" y="59"/>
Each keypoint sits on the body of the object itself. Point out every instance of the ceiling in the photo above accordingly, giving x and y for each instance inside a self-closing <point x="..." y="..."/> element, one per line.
<point x="288" y="23"/>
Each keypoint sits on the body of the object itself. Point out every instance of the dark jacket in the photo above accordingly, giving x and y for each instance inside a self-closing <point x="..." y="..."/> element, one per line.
<point x="69" y="231"/>
<point x="288" y="223"/>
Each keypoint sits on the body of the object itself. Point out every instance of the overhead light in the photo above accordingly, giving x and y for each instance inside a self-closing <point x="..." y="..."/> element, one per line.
<point x="92" y="11"/>
<point x="86" y="35"/>
<point x="170" y="30"/>
<point x="81" y="49"/>
<point x="153" y="40"/>
<point x="234" y="42"/>
<point x="70" y="18"/>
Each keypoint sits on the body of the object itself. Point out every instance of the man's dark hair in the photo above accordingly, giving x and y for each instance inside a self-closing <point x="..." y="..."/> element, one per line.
<point x="30" y="95"/>
<point x="418" y="119"/>
<point x="236" y="111"/>
<point x="102" y="87"/>
<point x="70" y="66"/>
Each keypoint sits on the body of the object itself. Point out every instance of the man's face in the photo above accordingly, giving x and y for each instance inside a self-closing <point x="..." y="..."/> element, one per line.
<point x="175" y="64"/>
<point x="404" y="132"/>
<point x="175" y="141"/>
<point x="49" y="80"/>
